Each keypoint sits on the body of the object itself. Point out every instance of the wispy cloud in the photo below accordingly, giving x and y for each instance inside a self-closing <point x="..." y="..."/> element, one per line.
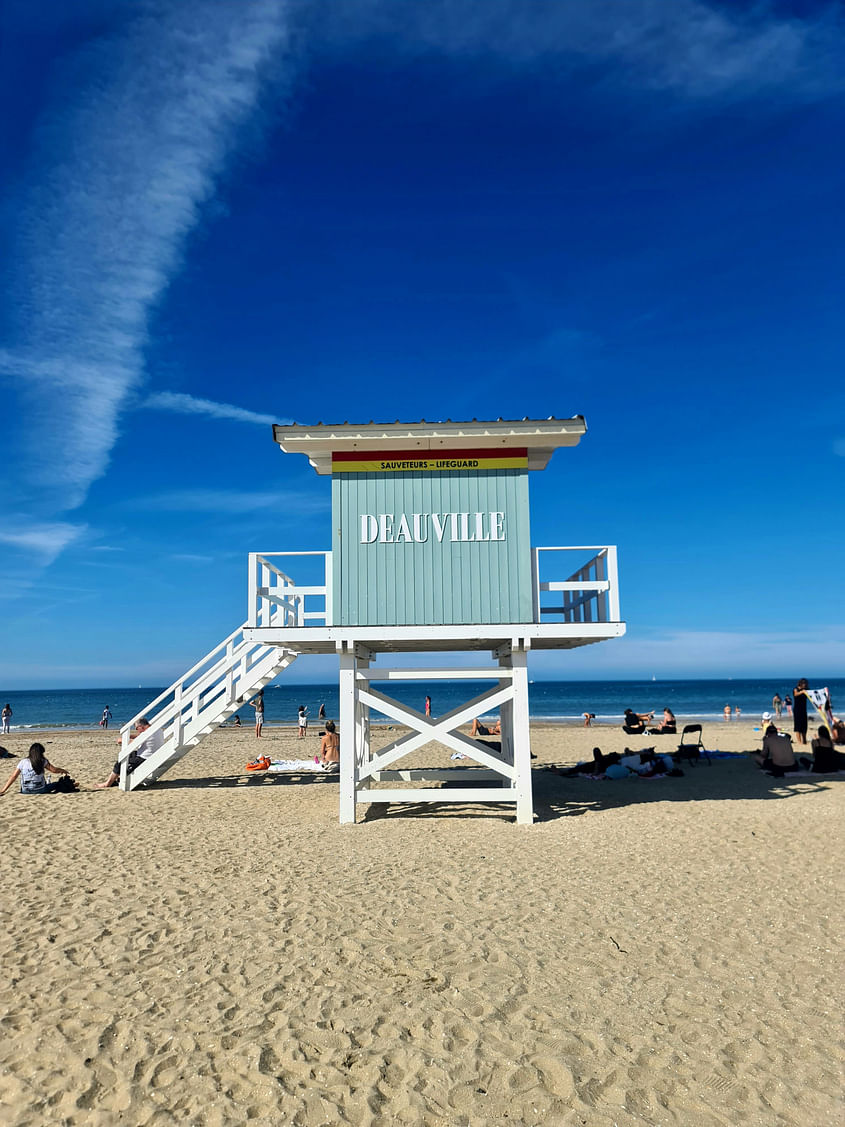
<point x="47" y="541"/>
<point x="232" y="501"/>
<point x="121" y="170"/>
<point x="696" y="47"/>
<point x="183" y="404"/>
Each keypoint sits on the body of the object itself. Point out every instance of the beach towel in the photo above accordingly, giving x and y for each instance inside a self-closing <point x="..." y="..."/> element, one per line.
<point x="280" y="765"/>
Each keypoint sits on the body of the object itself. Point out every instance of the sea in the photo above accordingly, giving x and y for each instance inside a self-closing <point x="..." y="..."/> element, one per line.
<point x="557" y="702"/>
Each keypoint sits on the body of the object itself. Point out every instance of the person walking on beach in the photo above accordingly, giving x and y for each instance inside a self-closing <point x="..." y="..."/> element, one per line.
<point x="302" y="720"/>
<point x="6" y="716"/>
<point x="258" y="704"/>
<point x="777" y="705"/>
<point x="104" y="723"/>
<point x="31" y="771"/>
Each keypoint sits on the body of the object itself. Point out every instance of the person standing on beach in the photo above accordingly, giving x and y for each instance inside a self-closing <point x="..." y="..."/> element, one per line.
<point x="6" y="716"/>
<point x="799" y="710"/>
<point x="258" y="704"/>
<point x="104" y="723"/>
<point x="787" y="704"/>
<point x="727" y="711"/>
<point x="302" y="720"/>
<point x="428" y="706"/>
<point x="777" y="705"/>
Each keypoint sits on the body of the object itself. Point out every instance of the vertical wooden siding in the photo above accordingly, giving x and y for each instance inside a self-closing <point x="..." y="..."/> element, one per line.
<point x="435" y="582"/>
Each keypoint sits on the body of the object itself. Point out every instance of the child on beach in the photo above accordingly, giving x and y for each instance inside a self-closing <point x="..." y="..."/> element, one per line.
<point x="303" y="722"/>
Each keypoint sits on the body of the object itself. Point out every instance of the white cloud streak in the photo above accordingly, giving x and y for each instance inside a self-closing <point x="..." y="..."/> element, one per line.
<point x="117" y="184"/>
<point x="694" y="47"/>
<point x="47" y="540"/>
<point x="183" y="404"/>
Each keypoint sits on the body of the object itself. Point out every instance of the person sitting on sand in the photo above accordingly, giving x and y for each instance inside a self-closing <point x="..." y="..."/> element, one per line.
<point x="478" y="729"/>
<point x="777" y="755"/>
<point x="635" y="722"/>
<point x="826" y="759"/>
<point x="140" y="751"/>
<point x="31" y="773"/>
<point x="329" y="755"/>
<point x="668" y="725"/>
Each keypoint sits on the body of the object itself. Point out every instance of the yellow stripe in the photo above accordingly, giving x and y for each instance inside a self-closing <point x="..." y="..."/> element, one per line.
<point x="430" y="465"/>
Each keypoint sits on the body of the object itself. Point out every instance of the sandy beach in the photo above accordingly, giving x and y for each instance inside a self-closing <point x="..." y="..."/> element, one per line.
<point x="219" y="950"/>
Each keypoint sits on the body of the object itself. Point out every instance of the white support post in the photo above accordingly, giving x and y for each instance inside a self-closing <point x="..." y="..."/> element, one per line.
<point x="329" y="590"/>
<point x="613" y="580"/>
<point x="348" y="735"/>
<point x="521" y="738"/>
<point x="507" y="720"/>
<point x="362" y="719"/>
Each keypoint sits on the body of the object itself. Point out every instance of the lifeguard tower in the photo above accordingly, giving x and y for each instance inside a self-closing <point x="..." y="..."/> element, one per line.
<point x="431" y="555"/>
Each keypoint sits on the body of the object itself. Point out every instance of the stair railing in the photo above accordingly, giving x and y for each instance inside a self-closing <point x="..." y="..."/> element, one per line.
<point x="180" y="711"/>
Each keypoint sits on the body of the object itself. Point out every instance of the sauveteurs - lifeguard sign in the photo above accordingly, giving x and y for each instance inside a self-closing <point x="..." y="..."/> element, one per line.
<point x="444" y="461"/>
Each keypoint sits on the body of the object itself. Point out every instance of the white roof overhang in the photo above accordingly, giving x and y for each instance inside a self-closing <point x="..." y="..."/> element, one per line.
<point x="540" y="437"/>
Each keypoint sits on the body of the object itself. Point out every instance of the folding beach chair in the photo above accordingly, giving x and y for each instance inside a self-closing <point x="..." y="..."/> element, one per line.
<point x="691" y="746"/>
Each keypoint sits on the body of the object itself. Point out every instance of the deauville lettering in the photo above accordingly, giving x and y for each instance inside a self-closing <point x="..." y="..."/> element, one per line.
<point x="456" y="528"/>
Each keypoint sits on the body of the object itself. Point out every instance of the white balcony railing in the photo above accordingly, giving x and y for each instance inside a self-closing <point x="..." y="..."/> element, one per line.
<point x="589" y="594"/>
<point x="275" y="598"/>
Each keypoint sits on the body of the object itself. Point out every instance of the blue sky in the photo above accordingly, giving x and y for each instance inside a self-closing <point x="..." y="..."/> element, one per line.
<point x="216" y="216"/>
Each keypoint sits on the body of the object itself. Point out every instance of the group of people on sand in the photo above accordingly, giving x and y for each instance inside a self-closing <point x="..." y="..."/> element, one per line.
<point x="647" y="763"/>
<point x="637" y="723"/>
<point x="778" y="758"/>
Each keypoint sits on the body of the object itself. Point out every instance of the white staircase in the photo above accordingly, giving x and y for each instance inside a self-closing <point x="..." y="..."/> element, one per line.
<point x="209" y="693"/>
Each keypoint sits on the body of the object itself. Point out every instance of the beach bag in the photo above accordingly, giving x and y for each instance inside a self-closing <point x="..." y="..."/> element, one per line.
<point x="65" y="785"/>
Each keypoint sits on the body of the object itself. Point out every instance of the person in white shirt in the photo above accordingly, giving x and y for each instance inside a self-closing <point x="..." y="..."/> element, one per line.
<point x="31" y="772"/>
<point x="142" y="748"/>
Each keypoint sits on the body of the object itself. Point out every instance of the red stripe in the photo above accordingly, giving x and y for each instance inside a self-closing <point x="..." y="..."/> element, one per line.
<point x="425" y="455"/>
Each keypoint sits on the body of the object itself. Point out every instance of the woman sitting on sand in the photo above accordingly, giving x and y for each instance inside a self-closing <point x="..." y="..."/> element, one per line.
<point x="31" y="772"/>
<point x="635" y="722"/>
<point x="668" y="725"/>
<point x="826" y="759"/>
<point x="329" y="755"/>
